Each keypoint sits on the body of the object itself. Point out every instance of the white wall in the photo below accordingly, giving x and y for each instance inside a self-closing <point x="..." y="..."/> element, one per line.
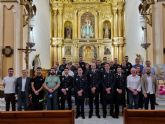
<point x="41" y="33"/>
<point x="133" y="31"/>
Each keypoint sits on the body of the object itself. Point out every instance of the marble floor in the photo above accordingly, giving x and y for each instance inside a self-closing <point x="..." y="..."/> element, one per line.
<point x="110" y="120"/>
<point x="94" y="119"/>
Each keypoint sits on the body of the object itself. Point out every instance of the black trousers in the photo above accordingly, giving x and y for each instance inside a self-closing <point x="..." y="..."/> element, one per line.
<point x="68" y="99"/>
<point x="119" y="100"/>
<point x="151" y="98"/>
<point x="141" y="100"/>
<point x="36" y="104"/>
<point x="94" y="98"/>
<point x="80" y="105"/>
<point x="10" y="98"/>
<point x="108" y="99"/>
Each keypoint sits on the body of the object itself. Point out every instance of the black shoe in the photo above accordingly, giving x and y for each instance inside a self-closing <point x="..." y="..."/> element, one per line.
<point x="77" y="116"/>
<point x="104" y="115"/>
<point x="98" y="115"/>
<point x="90" y="116"/>
<point x="83" y="117"/>
<point x="156" y="103"/>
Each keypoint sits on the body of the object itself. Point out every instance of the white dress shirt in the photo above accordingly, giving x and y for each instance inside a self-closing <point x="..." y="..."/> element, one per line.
<point x="150" y="89"/>
<point x="23" y="84"/>
<point x="134" y="82"/>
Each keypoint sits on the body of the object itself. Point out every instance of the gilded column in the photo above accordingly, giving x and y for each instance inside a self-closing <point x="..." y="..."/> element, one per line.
<point x="55" y="51"/>
<point x="120" y="25"/>
<point x="120" y="57"/>
<point x="115" y="26"/>
<point x="116" y="51"/>
<point x="60" y="23"/>
<point x="75" y="31"/>
<point x="55" y="21"/>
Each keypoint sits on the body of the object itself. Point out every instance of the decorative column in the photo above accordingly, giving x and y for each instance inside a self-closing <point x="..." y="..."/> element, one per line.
<point x="60" y="23"/>
<point x="115" y="26"/>
<point x="120" y="22"/>
<point x="55" y="45"/>
<point x="55" y="22"/>
<point x="75" y="31"/>
<point x="116" y="50"/>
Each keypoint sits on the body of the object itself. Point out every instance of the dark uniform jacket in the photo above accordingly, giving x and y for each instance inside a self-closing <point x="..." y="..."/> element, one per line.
<point x="80" y="83"/>
<point x="67" y="82"/>
<point x="93" y="79"/>
<point x="108" y="80"/>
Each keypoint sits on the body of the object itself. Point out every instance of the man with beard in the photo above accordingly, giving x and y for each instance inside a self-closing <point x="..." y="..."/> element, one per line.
<point x="93" y="79"/>
<point x="37" y="90"/>
<point x="149" y="88"/>
<point x="108" y="81"/>
<point x="52" y="84"/>
<point x="66" y="86"/>
<point x="80" y="86"/>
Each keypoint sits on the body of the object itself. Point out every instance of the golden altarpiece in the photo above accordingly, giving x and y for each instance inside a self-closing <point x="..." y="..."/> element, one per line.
<point x="87" y="28"/>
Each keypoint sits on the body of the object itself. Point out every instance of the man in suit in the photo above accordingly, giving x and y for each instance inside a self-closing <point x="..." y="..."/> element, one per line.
<point x="23" y="89"/>
<point x="149" y="88"/>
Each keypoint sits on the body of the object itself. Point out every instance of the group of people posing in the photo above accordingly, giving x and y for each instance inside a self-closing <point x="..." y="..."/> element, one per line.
<point x="102" y="84"/>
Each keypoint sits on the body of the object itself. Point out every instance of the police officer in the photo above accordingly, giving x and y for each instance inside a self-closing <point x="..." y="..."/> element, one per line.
<point x="62" y="67"/>
<point x="128" y="64"/>
<point x="80" y="82"/>
<point x="93" y="79"/>
<point x="119" y="91"/>
<point x="108" y="82"/>
<point x="82" y="64"/>
<point x="59" y="73"/>
<point x="65" y="87"/>
<point x="37" y="90"/>
<point x="116" y="64"/>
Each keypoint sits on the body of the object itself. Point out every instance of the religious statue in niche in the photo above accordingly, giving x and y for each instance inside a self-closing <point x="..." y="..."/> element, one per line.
<point x="67" y="50"/>
<point x="87" y="28"/>
<point x="106" y="31"/>
<point x="68" y="31"/>
<point x="107" y="50"/>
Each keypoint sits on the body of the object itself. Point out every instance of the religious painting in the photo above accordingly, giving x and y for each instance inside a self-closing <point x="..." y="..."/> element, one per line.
<point x="107" y="50"/>
<point x="67" y="50"/>
<point x="87" y="25"/>
<point x="88" y="52"/>
<point x="106" y="30"/>
<point x="68" y="30"/>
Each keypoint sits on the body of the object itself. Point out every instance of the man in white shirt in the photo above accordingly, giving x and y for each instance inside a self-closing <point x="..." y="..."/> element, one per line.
<point x="149" y="88"/>
<point x="134" y="87"/>
<point x="23" y="88"/>
<point x="9" y="89"/>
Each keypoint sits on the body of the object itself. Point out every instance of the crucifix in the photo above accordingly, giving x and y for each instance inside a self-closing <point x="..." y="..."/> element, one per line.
<point x="31" y="11"/>
<point x="27" y="50"/>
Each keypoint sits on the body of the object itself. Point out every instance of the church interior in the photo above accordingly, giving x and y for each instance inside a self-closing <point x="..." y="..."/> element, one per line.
<point x="42" y="32"/>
